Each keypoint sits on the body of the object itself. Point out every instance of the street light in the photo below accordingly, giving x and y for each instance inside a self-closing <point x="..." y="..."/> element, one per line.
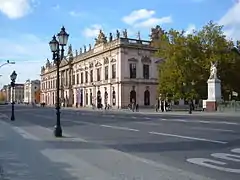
<point x="8" y="62"/>
<point x="13" y="77"/>
<point x="57" y="57"/>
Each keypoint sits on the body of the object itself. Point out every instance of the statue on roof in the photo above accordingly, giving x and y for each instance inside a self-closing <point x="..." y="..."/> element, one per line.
<point x="70" y="50"/>
<point x="110" y="37"/>
<point x="156" y="33"/>
<point x="48" y="64"/>
<point x="42" y="69"/>
<point x="80" y="51"/>
<point x="85" y="48"/>
<point x="138" y="35"/>
<point x="76" y="52"/>
<point x="101" y="38"/>
<point x="118" y="34"/>
<point x="90" y="47"/>
<point x="125" y="35"/>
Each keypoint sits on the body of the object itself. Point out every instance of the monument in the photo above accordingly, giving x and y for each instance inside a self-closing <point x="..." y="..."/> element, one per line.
<point x="214" y="89"/>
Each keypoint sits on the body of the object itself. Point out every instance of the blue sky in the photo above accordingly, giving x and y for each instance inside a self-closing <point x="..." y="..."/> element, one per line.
<point x="28" y="25"/>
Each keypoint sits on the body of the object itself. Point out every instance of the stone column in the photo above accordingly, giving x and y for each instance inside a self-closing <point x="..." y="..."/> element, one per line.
<point x="214" y="94"/>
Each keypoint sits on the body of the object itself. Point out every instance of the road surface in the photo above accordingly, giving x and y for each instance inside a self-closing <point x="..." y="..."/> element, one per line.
<point x="107" y="145"/>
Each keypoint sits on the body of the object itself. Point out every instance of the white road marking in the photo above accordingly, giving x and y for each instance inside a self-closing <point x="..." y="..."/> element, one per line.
<point x="188" y="137"/>
<point x="25" y="134"/>
<point x="149" y="123"/>
<point x="237" y="150"/>
<point x="121" y="128"/>
<point x="212" y="164"/>
<point x="228" y="157"/>
<point x="212" y="129"/>
<point x="134" y="117"/>
<point x="107" y="115"/>
<point x="196" y="121"/>
<point x="147" y="118"/>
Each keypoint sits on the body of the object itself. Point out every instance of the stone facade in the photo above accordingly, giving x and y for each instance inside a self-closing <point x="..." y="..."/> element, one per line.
<point x="30" y="91"/>
<point x="117" y="72"/>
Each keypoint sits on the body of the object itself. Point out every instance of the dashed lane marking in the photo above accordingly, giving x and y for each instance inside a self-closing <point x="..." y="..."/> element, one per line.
<point x="212" y="129"/>
<point x="188" y="137"/>
<point x="120" y="128"/>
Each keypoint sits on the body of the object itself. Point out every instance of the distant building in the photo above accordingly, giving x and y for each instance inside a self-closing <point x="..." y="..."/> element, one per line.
<point x="118" y="71"/>
<point x="31" y="91"/>
<point x="16" y="95"/>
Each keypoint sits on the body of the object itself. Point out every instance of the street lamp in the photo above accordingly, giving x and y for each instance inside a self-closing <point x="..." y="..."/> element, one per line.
<point x="13" y="77"/>
<point x="8" y="62"/>
<point x="57" y="57"/>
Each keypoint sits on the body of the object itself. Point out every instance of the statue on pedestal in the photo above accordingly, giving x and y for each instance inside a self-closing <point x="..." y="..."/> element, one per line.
<point x="85" y="48"/>
<point x="213" y="71"/>
<point x="101" y="38"/>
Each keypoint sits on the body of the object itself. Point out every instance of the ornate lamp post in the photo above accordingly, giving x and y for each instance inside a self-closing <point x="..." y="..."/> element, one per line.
<point x="13" y="77"/>
<point x="57" y="57"/>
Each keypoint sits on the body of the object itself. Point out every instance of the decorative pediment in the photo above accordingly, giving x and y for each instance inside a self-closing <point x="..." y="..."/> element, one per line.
<point x="113" y="60"/>
<point x="106" y="60"/>
<point x="133" y="60"/>
<point x="98" y="64"/>
<point x="146" y="59"/>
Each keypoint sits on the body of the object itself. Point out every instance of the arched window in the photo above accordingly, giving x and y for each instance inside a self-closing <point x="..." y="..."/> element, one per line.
<point x="91" y="99"/>
<point x="133" y="96"/>
<point x="114" y="98"/>
<point x="147" y="98"/>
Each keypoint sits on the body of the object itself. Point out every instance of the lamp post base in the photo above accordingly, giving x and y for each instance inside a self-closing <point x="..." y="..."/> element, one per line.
<point x="12" y="118"/>
<point x="57" y="131"/>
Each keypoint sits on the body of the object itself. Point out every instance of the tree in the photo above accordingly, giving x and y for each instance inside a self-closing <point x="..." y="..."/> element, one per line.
<point x="187" y="59"/>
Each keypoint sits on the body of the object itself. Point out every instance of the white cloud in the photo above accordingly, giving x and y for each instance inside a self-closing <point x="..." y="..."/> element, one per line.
<point x="75" y="14"/>
<point x="231" y="22"/>
<point x="154" y="21"/>
<point x="15" y="9"/>
<point x="190" y="29"/>
<point x="28" y="51"/>
<point x="138" y="15"/>
<point x="143" y="18"/>
<point x="92" y="31"/>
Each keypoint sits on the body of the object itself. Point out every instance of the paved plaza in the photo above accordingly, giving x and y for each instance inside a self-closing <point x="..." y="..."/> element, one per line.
<point x="118" y="145"/>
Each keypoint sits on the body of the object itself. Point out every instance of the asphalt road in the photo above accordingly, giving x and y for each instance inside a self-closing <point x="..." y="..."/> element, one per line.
<point x="140" y="146"/>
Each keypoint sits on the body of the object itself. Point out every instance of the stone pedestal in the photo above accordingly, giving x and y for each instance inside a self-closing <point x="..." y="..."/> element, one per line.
<point x="214" y="94"/>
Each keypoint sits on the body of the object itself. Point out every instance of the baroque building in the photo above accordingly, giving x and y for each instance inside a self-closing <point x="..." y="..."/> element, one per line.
<point x="31" y="91"/>
<point x="116" y="71"/>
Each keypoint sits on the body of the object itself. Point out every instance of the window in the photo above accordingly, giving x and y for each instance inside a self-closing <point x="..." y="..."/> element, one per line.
<point x="146" y="71"/>
<point x="86" y="77"/>
<point x="91" y="76"/>
<point x="106" y="72"/>
<point x="113" y="71"/>
<point x="81" y="78"/>
<point x="73" y="79"/>
<point x="133" y="70"/>
<point x="98" y="74"/>
<point x="77" y="78"/>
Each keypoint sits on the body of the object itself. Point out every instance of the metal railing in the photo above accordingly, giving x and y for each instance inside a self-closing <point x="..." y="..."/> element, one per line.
<point x="229" y="106"/>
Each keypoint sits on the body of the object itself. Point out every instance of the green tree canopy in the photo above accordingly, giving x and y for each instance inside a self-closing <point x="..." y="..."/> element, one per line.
<point x="187" y="59"/>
